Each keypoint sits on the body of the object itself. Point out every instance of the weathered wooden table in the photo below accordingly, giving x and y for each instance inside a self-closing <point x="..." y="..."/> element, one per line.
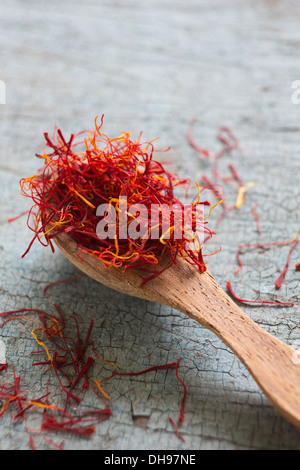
<point x="152" y="66"/>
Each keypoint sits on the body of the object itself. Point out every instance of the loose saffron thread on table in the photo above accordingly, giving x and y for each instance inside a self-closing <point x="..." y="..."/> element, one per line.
<point x="192" y="142"/>
<point x="20" y="396"/>
<point x="32" y="444"/>
<point x="176" y="429"/>
<point x="230" y="142"/>
<point x="181" y="415"/>
<point x="231" y="291"/>
<point x="13" y="219"/>
<point x="63" y="281"/>
<point x="256" y="216"/>
<point x="72" y="184"/>
<point x="64" y="220"/>
<point x="228" y="146"/>
<point x="281" y="278"/>
<point x="235" y="174"/>
<point x="53" y="444"/>
<point x="241" y="194"/>
<point x="262" y="246"/>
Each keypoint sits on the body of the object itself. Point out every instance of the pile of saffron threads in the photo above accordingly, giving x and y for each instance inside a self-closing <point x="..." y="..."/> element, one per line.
<point x="69" y="359"/>
<point x="72" y="184"/>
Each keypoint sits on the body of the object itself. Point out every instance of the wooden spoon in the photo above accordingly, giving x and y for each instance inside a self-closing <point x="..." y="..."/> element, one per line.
<point x="184" y="288"/>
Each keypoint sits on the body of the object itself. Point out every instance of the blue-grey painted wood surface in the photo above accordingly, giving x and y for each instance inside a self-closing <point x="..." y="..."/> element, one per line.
<point x="151" y="66"/>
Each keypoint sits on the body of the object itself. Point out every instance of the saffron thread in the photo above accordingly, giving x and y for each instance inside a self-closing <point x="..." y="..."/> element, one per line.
<point x="231" y="291"/>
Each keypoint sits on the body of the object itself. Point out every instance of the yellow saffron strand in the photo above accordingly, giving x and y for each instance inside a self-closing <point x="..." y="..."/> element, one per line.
<point x="210" y="211"/>
<point x="241" y="194"/>
<point x="101" y="390"/>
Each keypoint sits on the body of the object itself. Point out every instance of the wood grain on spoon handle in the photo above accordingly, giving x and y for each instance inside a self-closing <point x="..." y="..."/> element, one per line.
<point x="201" y="298"/>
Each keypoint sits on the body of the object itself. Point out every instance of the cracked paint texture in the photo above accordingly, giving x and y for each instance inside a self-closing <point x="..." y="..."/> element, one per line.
<point x="153" y="66"/>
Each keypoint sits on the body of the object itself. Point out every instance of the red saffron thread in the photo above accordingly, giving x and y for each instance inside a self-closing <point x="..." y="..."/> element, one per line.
<point x="54" y="445"/>
<point x="55" y="283"/>
<point x="32" y="444"/>
<point x="176" y="429"/>
<point x="192" y="142"/>
<point x="71" y="185"/>
<point x="235" y="174"/>
<point x="229" y="144"/>
<point x="281" y="278"/>
<point x="219" y="194"/>
<point x="297" y="267"/>
<point x="260" y="245"/>
<point x="181" y="415"/>
<point x="230" y="289"/>
<point x="89" y="362"/>
<point x="146" y="371"/>
<point x="55" y="418"/>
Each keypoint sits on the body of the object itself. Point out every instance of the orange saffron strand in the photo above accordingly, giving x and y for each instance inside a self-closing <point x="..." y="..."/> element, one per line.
<point x="101" y="390"/>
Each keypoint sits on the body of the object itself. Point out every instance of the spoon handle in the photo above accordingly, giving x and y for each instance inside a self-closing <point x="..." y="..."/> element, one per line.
<point x="270" y="361"/>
